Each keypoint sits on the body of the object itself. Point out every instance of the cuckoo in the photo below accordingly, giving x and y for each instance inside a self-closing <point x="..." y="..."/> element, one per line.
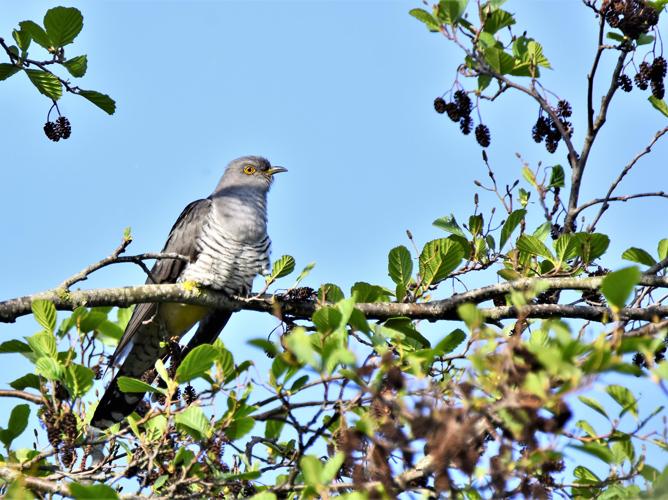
<point x="225" y="238"/>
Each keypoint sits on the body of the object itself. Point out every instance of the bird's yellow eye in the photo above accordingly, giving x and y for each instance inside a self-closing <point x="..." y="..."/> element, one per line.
<point x="249" y="170"/>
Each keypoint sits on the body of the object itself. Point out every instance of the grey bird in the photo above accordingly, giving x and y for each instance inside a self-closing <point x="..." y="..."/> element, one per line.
<point x="225" y="237"/>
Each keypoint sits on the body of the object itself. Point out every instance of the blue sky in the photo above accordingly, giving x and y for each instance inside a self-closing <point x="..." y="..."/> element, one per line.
<point x="338" y="92"/>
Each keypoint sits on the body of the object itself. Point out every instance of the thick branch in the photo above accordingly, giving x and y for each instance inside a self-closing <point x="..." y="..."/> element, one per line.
<point x="33" y="398"/>
<point x="275" y="304"/>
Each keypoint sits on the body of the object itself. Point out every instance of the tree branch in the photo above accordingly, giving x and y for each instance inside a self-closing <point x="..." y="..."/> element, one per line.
<point x="279" y="305"/>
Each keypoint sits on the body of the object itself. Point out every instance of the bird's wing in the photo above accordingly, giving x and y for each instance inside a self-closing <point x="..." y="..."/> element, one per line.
<point x="183" y="241"/>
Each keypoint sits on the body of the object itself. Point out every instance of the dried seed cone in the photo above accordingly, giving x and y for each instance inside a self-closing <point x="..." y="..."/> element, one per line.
<point x="64" y="127"/>
<point x="439" y="105"/>
<point x="52" y="131"/>
<point x="482" y="135"/>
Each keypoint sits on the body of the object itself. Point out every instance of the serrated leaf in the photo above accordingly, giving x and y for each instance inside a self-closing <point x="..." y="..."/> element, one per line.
<point x="638" y="255"/>
<point x="102" y="101"/>
<point x="7" y="70"/>
<point x="594" y="405"/>
<point x="28" y="380"/>
<point x="449" y="224"/>
<point x="365" y="292"/>
<point x="45" y="314"/>
<point x="617" y="286"/>
<point x="438" y="259"/>
<point x="498" y="19"/>
<point x="329" y="292"/>
<point x="129" y="384"/>
<point x="239" y="428"/>
<point x="406" y="328"/>
<point x="49" y="368"/>
<point x="400" y="265"/>
<point x="22" y="39"/>
<point x="36" y="33"/>
<point x="299" y="344"/>
<point x="77" y="66"/>
<point x="509" y="226"/>
<point x="451" y="11"/>
<point x="327" y="319"/>
<point x="92" y="492"/>
<point x="450" y="342"/>
<point x="62" y="25"/>
<point x="78" y="379"/>
<point x="43" y="344"/>
<point x="500" y="61"/>
<point x="46" y="83"/>
<point x="624" y="398"/>
<point x="591" y="246"/>
<point x="283" y="266"/>
<point x="196" y="363"/>
<point x="194" y="422"/>
<point x="659" y="104"/>
<point x="533" y="246"/>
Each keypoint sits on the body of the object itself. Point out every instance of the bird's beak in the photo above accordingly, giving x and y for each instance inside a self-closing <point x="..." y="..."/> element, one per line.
<point x="275" y="170"/>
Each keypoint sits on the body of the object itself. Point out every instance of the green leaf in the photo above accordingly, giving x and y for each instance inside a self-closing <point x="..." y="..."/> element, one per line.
<point x="92" y="492"/>
<point x="498" y="19"/>
<point x="265" y="495"/>
<point x="533" y="246"/>
<point x="509" y="226"/>
<point x="43" y="344"/>
<point x="273" y="428"/>
<point x="638" y="255"/>
<point x="193" y="421"/>
<point x="331" y="468"/>
<point x="594" y="405"/>
<point x="45" y="314"/>
<point x="36" y="32"/>
<point x="400" y="265"/>
<point x="102" y="101"/>
<point x="46" y="83"/>
<point x="18" y="421"/>
<point x="624" y="398"/>
<point x="13" y="346"/>
<point x="22" y="39"/>
<point x="597" y="450"/>
<point x="7" y="70"/>
<point x="617" y="37"/>
<point x="129" y="384"/>
<point x="282" y="267"/>
<point x="266" y="345"/>
<point x="196" y="363"/>
<point x="78" y="379"/>
<point x="659" y="104"/>
<point x="239" y="427"/>
<point x="77" y="66"/>
<point x="311" y="468"/>
<point x="425" y="17"/>
<point x="617" y="286"/>
<point x="299" y="344"/>
<point x="500" y="61"/>
<point x="327" y="319"/>
<point x="406" y="328"/>
<point x="451" y="11"/>
<point x="450" y="342"/>
<point x="644" y="39"/>
<point x="662" y="249"/>
<point x="585" y="475"/>
<point x="329" y="292"/>
<point x="557" y="177"/>
<point x="28" y="380"/>
<point x="535" y="55"/>
<point x="591" y="246"/>
<point x="63" y="24"/>
<point x="449" y="224"/>
<point x="49" y="368"/>
<point x="438" y="259"/>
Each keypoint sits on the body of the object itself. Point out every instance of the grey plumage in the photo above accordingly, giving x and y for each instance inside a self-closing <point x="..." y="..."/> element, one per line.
<point x="225" y="236"/>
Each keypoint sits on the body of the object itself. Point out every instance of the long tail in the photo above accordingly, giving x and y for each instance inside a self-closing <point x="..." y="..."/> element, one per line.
<point x="116" y="405"/>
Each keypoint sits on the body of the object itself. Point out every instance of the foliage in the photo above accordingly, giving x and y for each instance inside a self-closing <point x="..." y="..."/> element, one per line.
<point x="356" y="400"/>
<point x="61" y="26"/>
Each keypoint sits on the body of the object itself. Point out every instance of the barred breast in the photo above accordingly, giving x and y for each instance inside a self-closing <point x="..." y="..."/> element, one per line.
<point x="231" y="251"/>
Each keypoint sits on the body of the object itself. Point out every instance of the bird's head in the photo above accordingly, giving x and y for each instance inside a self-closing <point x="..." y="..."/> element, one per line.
<point x="250" y="172"/>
